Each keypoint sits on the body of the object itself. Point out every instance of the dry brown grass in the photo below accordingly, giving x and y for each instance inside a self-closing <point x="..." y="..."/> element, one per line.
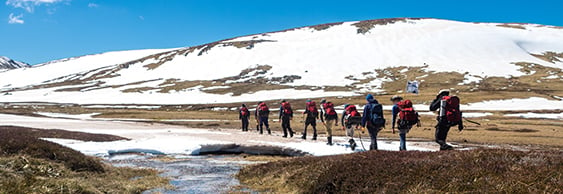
<point x="24" y="174"/>
<point x="476" y="171"/>
<point x="32" y="165"/>
<point x="322" y="27"/>
<point x="549" y="56"/>
<point x="515" y="26"/>
<point x="365" y="26"/>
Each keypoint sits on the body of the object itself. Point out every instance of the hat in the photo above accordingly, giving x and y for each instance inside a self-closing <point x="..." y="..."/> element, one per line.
<point x="346" y="106"/>
<point x="323" y="100"/>
<point x="282" y="101"/>
<point x="396" y="97"/>
<point x="308" y="101"/>
<point x="243" y="105"/>
<point x="443" y="91"/>
<point x="369" y="97"/>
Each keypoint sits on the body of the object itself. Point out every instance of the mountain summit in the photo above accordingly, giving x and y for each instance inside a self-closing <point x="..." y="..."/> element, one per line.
<point x="337" y="59"/>
<point x="7" y="63"/>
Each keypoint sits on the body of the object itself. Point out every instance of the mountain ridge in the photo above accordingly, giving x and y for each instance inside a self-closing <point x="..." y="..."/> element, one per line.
<point x="7" y="63"/>
<point x="335" y="59"/>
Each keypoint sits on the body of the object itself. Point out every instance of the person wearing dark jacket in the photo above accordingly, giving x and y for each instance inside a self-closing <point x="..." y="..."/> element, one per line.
<point x="328" y="118"/>
<point x="311" y="115"/>
<point x="350" y="123"/>
<point x="285" y="117"/>
<point x="262" y="115"/>
<point x="442" y="127"/>
<point x="244" y="116"/>
<point x="373" y="128"/>
<point x="395" y="110"/>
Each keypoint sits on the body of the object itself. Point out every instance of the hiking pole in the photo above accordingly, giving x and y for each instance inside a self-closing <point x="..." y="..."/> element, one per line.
<point x="362" y="142"/>
<point x="472" y="121"/>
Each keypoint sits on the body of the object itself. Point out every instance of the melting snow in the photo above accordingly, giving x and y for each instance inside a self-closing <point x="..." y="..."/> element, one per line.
<point x="531" y="115"/>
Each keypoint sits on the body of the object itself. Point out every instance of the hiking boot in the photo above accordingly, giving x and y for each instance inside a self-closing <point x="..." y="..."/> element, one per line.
<point x="314" y="138"/>
<point x="290" y="133"/>
<point x="352" y="144"/>
<point x="446" y="147"/>
<point x="269" y="131"/>
<point x="303" y="137"/>
<point x="329" y="141"/>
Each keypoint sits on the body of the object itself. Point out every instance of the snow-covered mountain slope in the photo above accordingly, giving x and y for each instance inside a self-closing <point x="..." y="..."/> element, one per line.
<point x="323" y="60"/>
<point x="7" y="63"/>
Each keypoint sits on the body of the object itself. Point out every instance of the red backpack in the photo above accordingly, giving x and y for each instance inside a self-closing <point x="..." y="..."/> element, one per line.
<point x="329" y="108"/>
<point x="407" y="113"/>
<point x="263" y="109"/>
<point x="312" y="107"/>
<point x="244" y="111"/>
<point x="453" y="113"/>
<point x="352" y="111"/>
<point x="312" y="110"/>
<point x="287" y="108"/>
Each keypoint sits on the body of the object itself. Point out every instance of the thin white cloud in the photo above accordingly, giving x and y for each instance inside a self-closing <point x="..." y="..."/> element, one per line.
<point x="93" y="5"/>
<point x="29" y="5"/>
<point x="15" y="19"/>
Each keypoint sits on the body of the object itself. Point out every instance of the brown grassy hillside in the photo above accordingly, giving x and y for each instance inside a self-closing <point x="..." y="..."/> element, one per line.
<point x="31" y="165"/>
<point x="477" y="171"/>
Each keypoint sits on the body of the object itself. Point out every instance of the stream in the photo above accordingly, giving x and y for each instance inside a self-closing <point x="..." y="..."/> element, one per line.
<point x="190" y="174"/>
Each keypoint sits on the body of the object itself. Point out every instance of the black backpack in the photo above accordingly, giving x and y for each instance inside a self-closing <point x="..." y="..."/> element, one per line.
<point x="376" y="115"/>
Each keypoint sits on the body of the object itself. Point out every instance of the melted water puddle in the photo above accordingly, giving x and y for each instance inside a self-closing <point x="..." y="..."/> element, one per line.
<point x="190" y="174"/>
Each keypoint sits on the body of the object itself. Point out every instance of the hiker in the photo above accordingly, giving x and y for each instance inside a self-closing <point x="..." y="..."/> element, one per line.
<point x="328" y="117"/>
<point x="373" y="119"/>
<point x="449" y="115"/>
<point x="262" y="114"/>
<point x="244" y="116"/>
<point x="408" y="117"/>
<point x="311" y="115"/>
<point x="286" y="115"/>
<point x="256" y="117"/>
<point x="351" y="120"/>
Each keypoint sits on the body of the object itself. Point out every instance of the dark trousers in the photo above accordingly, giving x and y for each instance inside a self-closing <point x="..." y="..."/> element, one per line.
<point x="244" y="123"/>
<point x="373" y="131"/>
<point x="313" y="123"/>
<point x="286" y="126"/>
<point x="264" y="121"/>
<point x="441" y="135"/>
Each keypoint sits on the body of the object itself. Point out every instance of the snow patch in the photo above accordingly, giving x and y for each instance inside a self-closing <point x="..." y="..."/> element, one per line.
<point x="531" y="115"/>
<point x="533" y="103"/>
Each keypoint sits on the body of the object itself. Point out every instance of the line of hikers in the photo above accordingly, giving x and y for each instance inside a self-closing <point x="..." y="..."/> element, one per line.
<point x="404" y="117"/>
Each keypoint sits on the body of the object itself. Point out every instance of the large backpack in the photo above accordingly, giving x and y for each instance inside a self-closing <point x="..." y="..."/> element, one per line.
<point x="244" y="111"/>
<point x="352" y="115"/>
<point x="329" y="109"/>
<point x="263" y="110"/>
<point x="376" y="115"/>
<point x="453" y="113"/>
<point x="312" y="109"/>
<point x="407" y="114"/>
<point x="287" y="108"/>
<point x="352" y="111"/>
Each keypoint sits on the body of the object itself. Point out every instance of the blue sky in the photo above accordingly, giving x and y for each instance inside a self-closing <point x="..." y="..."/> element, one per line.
<point x="36" y="31"/>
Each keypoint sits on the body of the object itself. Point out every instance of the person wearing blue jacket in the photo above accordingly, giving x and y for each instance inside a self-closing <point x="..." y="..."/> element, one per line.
<point x="395" y="110"/>
<point x="373" y="119"/>
<point x="402" y="131"/>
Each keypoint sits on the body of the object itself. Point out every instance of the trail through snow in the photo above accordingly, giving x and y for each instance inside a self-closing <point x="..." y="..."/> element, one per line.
<point x="177" y="140"/>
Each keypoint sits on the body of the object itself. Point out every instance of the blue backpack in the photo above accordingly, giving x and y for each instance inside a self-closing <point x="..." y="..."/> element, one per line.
<point x="376" y="115"/>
